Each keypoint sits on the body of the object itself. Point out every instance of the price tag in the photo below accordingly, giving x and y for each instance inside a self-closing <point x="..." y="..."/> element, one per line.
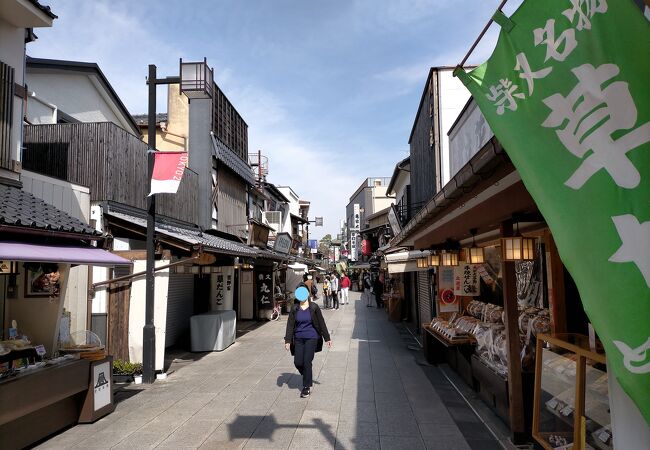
<point x="40" y="350"/>
<point x="604" y="436"/>
<point x="552" y="403"/>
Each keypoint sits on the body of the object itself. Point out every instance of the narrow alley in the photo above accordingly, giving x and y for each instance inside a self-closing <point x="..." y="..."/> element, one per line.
<point x="370" y="392"/>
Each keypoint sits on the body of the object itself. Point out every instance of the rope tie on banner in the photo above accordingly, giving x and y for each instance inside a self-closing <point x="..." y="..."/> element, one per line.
<point x="459" y="67"/>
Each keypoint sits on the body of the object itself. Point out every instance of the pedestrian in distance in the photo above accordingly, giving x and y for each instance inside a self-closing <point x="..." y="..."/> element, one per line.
<point x="345" y="289"/>
<point x="378" y="288"/>
<point x="334" y="290"/>
<point x="367" y="287"/>
<point x="326" y="292"/>
<point x="304" y="336"/>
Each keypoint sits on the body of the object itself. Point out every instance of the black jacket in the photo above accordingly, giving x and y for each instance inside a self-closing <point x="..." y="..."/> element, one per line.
<point x="317" y="321"/>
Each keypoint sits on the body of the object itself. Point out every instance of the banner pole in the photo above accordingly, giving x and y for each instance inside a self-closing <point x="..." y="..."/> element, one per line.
<point x="480" y="36"/>
<point x="149" y="330"/>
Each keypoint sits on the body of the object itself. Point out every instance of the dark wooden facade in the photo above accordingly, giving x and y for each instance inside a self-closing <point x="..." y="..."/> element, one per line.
<point x="425" y="156"/>
<point x="6" y="113"/>
<point x="228" y="125"/>
<point x="108" y="160"/>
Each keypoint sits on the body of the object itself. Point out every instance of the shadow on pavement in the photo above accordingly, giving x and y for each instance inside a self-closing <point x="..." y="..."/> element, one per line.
<point x="241" y="426"/>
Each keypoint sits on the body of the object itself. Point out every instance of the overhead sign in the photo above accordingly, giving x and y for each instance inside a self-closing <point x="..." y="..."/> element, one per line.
<point x="393" y="220"/>
<point x="566" y="93"/>
<point x="282" y="243"/>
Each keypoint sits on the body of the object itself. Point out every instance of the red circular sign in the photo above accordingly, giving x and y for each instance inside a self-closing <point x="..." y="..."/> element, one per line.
<point x="447" y="296"/>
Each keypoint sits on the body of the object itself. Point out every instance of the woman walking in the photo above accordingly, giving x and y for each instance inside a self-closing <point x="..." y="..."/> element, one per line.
<point x="305" y="333"/>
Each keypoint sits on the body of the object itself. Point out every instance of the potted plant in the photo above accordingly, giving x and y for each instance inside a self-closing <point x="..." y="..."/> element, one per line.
<point x="125" y="371"/>
<point x="137" y="373"/>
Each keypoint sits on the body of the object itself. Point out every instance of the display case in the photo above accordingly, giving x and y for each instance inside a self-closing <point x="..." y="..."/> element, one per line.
<point x="571" y="406"/>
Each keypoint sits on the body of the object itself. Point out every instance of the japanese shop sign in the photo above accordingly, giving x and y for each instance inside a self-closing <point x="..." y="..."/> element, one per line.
<point x="264" y="287"/>
<point x="447" y="300"/>
<point x="467" y="281"/>
<point x="566" y="93"/>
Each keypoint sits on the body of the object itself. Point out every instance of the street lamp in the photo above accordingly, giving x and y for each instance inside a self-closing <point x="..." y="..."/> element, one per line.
<point x="196" y="82"/>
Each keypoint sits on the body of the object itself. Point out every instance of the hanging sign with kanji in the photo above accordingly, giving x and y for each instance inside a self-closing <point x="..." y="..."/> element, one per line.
<point x="567" y="93"/>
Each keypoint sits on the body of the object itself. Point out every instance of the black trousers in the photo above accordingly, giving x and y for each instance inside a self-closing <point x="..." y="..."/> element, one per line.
<point x="303" y="357"/>
<point x="335" y="299"/>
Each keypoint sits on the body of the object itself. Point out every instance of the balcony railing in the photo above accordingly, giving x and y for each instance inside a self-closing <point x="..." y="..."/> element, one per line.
<point x="108" y="160"/>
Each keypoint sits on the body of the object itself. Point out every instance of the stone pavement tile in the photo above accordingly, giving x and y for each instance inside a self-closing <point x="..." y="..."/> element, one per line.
<point x="359" y="411"/>
<point x="353" y="427"/>
<point x="401" y="443"/>
<point x="441" y="431"/>
<point x="140" y="440"/>
<point x="433" y="443"/>
<point x="484" y="444"/>
<point x="324" y="401"/>
<point x="404" y="425"/>
<point x="190" y="434"/>
<point x="258" y="401"/>
<point x="271" y="434"/>
<point x="221" y="439"/>
<point x="395" y="398"/>
<point x="322" y="438"/>
<point x="366" y="442"/>
<point x="101" y="440"/>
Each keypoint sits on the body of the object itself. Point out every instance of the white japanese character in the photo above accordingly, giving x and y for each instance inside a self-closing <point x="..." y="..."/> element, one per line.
<point x="635" y="359"/>
<point x="264" y="288"/>
<point x="585" y="10"/>
<point x="527" y="74"/>
<point x="566" y="41"/>
<point x="503" y="95"/>
<point x="589" y="116"/>
<point x="635" y="243"/>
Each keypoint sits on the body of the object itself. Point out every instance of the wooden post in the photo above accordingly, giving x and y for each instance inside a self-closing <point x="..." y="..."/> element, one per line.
<point x="515" y="389"/>
<point x="555" y="277"/>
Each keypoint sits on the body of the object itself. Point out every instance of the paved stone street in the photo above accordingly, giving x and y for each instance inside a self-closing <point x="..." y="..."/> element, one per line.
<point x="369" y="392"/>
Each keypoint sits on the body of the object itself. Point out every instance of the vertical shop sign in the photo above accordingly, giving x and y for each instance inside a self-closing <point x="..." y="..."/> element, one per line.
<point x="566" y="93"/>
<point x="219" y="290"/>
<point x="447" y="300"/>
<point x="264" y="288"/>
<point x="102" y="377"/>
<point x="467" y="280"/>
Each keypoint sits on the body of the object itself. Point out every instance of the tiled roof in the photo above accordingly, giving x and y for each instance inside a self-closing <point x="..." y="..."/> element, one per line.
<point x="20" y="208"/>
<point x="232" y="161"/>
<point x="46" y="9"/>
<point x="191" y="235"/>
<point x="143" y="119"/>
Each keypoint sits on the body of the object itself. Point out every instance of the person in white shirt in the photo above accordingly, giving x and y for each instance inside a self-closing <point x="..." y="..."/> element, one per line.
<point x="334" y="290"/>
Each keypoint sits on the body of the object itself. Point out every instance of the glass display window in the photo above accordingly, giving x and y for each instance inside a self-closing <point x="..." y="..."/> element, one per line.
<point x="571" y="408"/>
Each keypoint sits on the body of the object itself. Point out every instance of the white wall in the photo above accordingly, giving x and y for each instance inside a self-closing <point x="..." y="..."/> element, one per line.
<point x="137" y="312"/>
<point x="74" y="200"/>
<point x="453" y="96"/>
<point x="76" y="94"/>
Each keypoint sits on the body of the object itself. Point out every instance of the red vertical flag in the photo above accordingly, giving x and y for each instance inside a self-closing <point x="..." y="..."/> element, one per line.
<point x="168" y="171"/>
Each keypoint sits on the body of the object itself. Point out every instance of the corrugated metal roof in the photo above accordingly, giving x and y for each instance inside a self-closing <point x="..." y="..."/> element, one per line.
<point x="232" y="161"/>
<point x="22" y="209"/>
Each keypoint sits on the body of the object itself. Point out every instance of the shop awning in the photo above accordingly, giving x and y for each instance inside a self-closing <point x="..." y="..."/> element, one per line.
<point x="405" y="256"/>
<point x="406" y="266"/>
<point x="20" y="251"/>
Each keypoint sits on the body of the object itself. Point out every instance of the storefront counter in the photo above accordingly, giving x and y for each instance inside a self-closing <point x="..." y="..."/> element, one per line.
<point x="38" y="402"/>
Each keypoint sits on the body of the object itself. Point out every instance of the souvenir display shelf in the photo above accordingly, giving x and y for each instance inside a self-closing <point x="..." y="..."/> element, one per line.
<point x="571" y="406"/>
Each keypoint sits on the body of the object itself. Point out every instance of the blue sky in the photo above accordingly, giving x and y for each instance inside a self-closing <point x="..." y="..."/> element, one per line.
<point x="329" y="89"/>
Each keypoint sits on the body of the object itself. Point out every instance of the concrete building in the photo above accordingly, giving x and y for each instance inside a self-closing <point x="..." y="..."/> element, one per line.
<point x="370" y="197"/>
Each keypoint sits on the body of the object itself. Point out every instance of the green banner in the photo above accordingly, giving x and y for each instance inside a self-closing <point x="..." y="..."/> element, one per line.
<point x="567" y="92"/>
